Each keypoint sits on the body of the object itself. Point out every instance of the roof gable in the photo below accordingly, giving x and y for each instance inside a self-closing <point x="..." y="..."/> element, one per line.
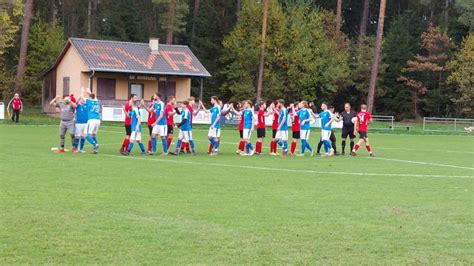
<point x="128" y="57"/>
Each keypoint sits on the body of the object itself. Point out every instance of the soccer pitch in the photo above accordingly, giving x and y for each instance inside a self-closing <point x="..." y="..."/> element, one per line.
<point x="413" y="203"/>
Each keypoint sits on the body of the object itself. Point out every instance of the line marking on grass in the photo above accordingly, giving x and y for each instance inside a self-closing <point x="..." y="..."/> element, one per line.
<point x="423" y="163"/>
<point x="286" y="169"/>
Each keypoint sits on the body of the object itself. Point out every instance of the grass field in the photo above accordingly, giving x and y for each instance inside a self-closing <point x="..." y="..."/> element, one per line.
<point x="412" y="204"/>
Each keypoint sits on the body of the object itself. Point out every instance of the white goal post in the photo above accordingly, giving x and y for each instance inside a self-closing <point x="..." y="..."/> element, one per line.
<point x="439" y="124"/>
<point x="383" y="122"/>
<point x="2" y="111"/>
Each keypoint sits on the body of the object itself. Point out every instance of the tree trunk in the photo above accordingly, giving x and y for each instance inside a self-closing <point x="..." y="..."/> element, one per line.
<point x="376" y="60"/>
<point x="364" y="21"/>
<point x="237" y="11"/>
<point x="171" y="17"/>
<point x="25" y="34"/>
<point x="89" y="17"/>
<point x="262" y="50"/>
<point x="446" y="14"/>
<point x="52" y="12"/>
<point x="197" y="5"/>
<point x="338" y="16"/>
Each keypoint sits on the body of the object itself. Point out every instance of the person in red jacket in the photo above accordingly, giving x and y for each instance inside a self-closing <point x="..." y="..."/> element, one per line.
<point x="17" y="107"/>
<point x="276" y="116"/>
<point x="170" y="111"/>
<point x="295" y="127"/>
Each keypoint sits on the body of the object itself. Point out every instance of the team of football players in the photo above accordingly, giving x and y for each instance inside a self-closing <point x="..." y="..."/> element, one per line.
<point x="298" y="116"/>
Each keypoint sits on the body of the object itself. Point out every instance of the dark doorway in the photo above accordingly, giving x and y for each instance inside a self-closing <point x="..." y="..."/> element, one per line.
<point x="105" y="89"/>
<point x="167" y="89"/>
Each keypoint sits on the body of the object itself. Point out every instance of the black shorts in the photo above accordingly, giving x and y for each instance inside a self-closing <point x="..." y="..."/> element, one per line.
<point x="128" y="130"/>
<point x="296" y="134"/>
<point x="362" y="134"/>
<point x="170" y="129"/>
<point x="347" y="131"/>
<point x="241" y="133"/>
<point x="274" y="133"/>
<point x="150" y="129"/>
<point x="260" y="133"/>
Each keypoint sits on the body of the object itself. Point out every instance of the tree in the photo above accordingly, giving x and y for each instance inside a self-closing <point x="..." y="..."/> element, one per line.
<point x="425" y="74"/>
<point x="172" y="20"/>
<point x="400" y="45"/>
<point x="338" y="16"/>
<point x="466" y="10"/>
<point x="262" y="49"/>
<point x="25" y="33"/>
<point x="376" y="61"/>
<point x="364" y="20"/>
<point x="45" y="43"/>
<point x="462" y="76"/>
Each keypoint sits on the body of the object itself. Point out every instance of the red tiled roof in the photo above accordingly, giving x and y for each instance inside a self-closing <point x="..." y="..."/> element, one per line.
<point x="128" y="57"/>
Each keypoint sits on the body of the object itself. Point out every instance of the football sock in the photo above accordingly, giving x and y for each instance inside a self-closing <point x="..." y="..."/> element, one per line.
<point x="91" y="140"/>
<point x="127" y="141"/>
<point x="327" y="145"/>
<point x="61" y="140"/>
<point x="76" y="143"/>
<point x="279" y="143"/>
<point x="142" y="147"/>
<point x="178" y="146"/>
<point x="216" y="145"/>
<point x="293" y="146"/>
<point x="210" y="147"/>
<point x="130" y="147"/>
<point x="83" y="141"/>
<point x="308" y="146"/>
<point x="187" y="146"/>
<point x="343" y="146"/>
<point x="352" y="145"/>
<point x="124" y="144"/>
<point x="285" y="146"/>
<point x="272" y="145"/>
<point x="320" y="144"/>
<point x="303" y="146"/>
<point x="356" y="147"/>
<point x="191" y="143"/>
<point x="333" y="146"/>
<point x="149" y="145"/>
<point x="248" y="146"/>
<point x="168" y="142"/>
<point x="153" y="144"/>
<point x="368" y="148"/>
<point x="165" y="145"/>
<point x="258" y="147"/>
<point x="95" y="140"/>
<point x="242" y="145"/>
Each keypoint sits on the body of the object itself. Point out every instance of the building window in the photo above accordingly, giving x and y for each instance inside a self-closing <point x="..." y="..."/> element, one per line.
<point x="105" y="89"/>
<point x="66" y="86"/>
<point x="167" y="89"/>
<point x="136" y="89"/>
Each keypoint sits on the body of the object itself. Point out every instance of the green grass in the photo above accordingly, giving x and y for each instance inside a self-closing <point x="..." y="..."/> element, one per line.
<point x="413" y="205"/>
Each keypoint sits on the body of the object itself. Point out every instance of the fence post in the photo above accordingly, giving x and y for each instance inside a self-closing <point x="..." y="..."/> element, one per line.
<point x="455" y="124"/>
<point x="424" y="121"/>
<point x="392" y="123"/>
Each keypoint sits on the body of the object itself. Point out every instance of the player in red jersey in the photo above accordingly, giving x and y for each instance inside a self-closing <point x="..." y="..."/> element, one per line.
<point x="362" y="126"/>
<point x="261" y="114"/>
<point x="192" y="112"/>
<point x="17" y="107"/>
<point x="170" y="112"/>
<point x="295" y="127"/>
<point x="241" y="146"/>
<point x="276" y="115"/>
<point x="151" y="119"/>
<point x="127" y="107"/>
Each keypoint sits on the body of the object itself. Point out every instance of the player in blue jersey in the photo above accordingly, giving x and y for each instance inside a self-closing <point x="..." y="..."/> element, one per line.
<point x="81" y="125"/>
<point x="93" y="107"/>
<point x="282" y="130"/>
<point x="248" y="128"/>
<point x="326" y="126"/>
<point x="136" y="134"/>
<point x="160" y="127"/>
<point x="185" y="134"/>
<point x="215" y="127"/>
<point x="304" y="116"/>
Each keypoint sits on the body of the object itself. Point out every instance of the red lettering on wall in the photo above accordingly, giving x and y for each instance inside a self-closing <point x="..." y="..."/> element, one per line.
<point x="101" y="52"/>
<point x="186" y="60"/>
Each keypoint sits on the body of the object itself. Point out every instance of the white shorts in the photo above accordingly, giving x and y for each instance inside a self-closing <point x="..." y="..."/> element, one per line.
<point x="247" y="133"/>
<point x="161" y="130"/>
<point x="136" y="135"/>
<point x="186" y="135"/>
<point x="282" y="135"/>
<point x="214" y="133"/>
<point x="80" y="129"/>
<point x="93" y="126"/>
<point x="325" y="134"/>
<point x="305" y="134"/>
